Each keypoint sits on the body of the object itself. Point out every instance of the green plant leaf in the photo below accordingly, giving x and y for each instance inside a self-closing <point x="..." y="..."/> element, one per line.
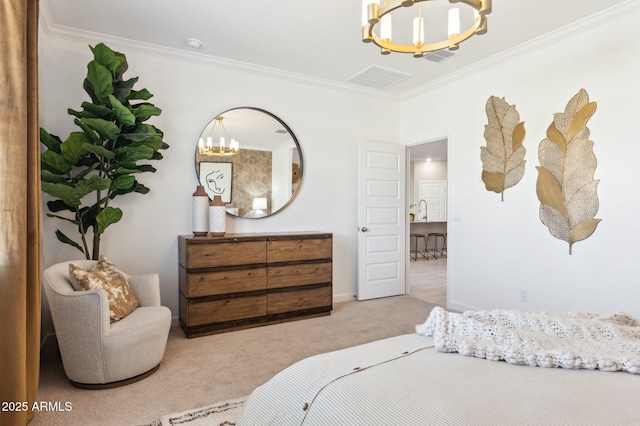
<point x="88" y="214"/>
<point x="71" y="195"/>
<point x="141" y="189"/>
<point x="123" y="67"/>
<point x="146" y="168"/>
<point x="155" y="136"/>
<point x="122" y="165"/>
<point x="78" y="114"/>
<point x="75" y="222"/>
<point x="143" y="94"/>
<point x="54" y="162"/>
<point x="98" y="111"/>
<point x="91" y="184"/>
<point x="145" y="111"/>
<point x="58" y="206"/>
<point x="106" y="57"/>
<point x="120" y="172"/>
<point x="108" y="216"/>
<point x="52" y="142"/>
<point x="89" y="132"/>
<point x="63" y="238"/>
<point x="100" y="150"/>
<point x="123" y="114"/>
<point x="73" y="148"/>
<point x="86" y="85"/>
<point x="100" y="80"/>
<point x="49" y="178"/>
<point x="134" y="153"/>
<point x="119" y="169"/>
<point x="122" y="89"/>
<point x="68" y="194"/>
<point x="137" y="137"/>
<point x="107" y="129"/>
<point x="123" y="182"/>
<point x="93" y="111"/>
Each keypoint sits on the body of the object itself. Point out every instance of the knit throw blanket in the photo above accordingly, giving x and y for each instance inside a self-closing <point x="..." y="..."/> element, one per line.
<point x="544" y="339"/>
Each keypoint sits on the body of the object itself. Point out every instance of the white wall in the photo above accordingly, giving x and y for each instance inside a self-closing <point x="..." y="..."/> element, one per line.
<point x="425" y="170"/>
<point x="328" y="124"/>
<point x="496" y="248"/>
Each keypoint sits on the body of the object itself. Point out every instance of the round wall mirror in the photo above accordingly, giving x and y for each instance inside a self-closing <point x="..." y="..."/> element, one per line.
<point x="257" y="174"/>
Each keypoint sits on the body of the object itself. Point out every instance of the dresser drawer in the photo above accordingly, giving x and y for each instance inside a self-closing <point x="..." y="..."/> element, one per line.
<point x="302" y="274"/>
<point x="298" y="300"/>
<point x="291" y="250"/>
<point x="223" y="310"/>
<point x="198" y="284"/>
<point x="225" y="254"/>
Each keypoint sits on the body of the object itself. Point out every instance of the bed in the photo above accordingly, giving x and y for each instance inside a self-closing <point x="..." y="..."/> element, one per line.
<point x="407" y="380"/>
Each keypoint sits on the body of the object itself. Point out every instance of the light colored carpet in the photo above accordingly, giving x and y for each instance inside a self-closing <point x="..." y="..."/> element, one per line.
<point x="201" y="371"/>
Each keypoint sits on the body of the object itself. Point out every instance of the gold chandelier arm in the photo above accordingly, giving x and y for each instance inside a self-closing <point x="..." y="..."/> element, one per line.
<point x="482" y="6"/>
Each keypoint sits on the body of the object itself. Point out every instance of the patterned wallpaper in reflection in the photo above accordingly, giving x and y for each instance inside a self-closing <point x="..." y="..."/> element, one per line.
<point x="251" y="177"/>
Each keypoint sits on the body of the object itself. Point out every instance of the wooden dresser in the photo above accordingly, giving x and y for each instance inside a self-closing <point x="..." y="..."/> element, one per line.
<point x="246" y="280"/>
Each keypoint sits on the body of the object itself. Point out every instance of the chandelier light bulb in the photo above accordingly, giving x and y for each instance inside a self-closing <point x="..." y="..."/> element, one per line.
<point x="418" y="31"/>
<point x="385" y="27"/>
<point x="454" y="22"/>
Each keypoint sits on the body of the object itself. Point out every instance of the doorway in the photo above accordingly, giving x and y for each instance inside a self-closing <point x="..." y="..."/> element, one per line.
<point x="427" y="272"/>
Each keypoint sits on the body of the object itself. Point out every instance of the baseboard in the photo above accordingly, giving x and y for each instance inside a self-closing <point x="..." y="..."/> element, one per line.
<point x="461" y="307"/>
<point x="345" y="297"/>
<point x="175" y="321"/>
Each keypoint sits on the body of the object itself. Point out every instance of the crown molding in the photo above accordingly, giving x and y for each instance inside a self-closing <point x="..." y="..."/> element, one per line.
<point x="614" y="13"/>
<point x="589" y="23"/>
<point x="52" y="30"/>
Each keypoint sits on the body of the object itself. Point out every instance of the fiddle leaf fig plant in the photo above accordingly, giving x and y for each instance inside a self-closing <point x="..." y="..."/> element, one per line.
<point x="100" y="161"/>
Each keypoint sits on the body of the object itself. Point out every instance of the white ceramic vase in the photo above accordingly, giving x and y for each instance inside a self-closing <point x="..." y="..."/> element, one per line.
<point x="200" y="212"/>
<point x="217" y="217"/>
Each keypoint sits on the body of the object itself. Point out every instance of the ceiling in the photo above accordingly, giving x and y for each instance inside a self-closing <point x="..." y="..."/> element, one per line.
<point x="319" y="42"/>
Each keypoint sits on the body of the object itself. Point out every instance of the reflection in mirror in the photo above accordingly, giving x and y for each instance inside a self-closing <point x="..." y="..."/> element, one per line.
<point x="265" y="174"/>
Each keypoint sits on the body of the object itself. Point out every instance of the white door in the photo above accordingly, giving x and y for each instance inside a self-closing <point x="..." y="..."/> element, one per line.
<point x="381" y="220"/>
<point x="434" y="192"/>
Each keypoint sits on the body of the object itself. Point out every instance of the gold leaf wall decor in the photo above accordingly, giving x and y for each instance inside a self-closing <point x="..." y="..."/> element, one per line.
<point x="565" y="187"/>
<point x="503" y="157"/>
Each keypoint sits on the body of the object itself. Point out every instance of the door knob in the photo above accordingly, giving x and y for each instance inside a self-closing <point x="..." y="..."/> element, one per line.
<point x="364" y="229"/>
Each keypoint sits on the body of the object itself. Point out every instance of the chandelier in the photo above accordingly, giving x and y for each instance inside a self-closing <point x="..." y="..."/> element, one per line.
<point x="373" y="14"/>
<point x="221" y="150"/>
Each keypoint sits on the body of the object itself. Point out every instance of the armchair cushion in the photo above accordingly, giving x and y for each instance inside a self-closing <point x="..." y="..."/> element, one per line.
<point x="122" y="300"/>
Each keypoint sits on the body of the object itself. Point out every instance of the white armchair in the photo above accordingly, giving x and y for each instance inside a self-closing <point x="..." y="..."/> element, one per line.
<point x="95" y="353"/>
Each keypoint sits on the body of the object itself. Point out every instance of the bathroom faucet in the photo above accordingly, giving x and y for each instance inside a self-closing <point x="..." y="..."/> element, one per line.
<point x="424" y="215"/>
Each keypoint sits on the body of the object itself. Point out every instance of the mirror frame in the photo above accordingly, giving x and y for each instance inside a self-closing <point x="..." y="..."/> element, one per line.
<point x="291" y="134"/>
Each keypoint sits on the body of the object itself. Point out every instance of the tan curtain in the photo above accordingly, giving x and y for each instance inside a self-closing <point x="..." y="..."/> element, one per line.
<point x="19" y="208"/>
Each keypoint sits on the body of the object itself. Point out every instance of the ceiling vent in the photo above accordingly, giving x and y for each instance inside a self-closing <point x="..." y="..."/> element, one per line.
<point x="439" y="55"/>
<point x="378" y="77"/>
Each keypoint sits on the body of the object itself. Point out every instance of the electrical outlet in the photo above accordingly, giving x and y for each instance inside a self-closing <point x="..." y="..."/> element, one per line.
<point x="524" y="295"/>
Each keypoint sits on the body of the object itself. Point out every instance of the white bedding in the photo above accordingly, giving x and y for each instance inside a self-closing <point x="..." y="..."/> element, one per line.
<point x="609" y="342"/>
<point x="405" y="381"/>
